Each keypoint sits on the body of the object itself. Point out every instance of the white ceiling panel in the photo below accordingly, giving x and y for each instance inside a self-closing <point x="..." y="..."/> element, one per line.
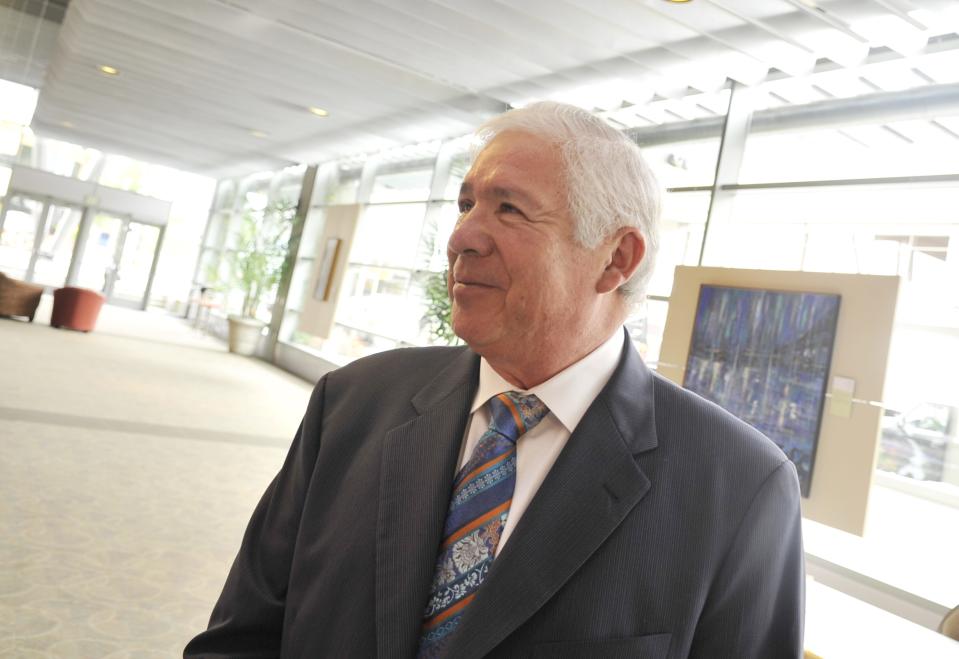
<point x="223" y="87"/>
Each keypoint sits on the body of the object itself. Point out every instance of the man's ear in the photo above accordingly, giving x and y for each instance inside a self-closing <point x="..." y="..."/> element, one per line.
<point x="625" y="250"/>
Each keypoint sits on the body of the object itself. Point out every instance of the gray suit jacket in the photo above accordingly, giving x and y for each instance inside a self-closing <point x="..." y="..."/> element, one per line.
<point x="666" y="528"/>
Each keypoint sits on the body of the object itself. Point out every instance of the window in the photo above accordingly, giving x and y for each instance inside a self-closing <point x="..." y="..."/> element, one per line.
<point x="683" y="164"/>
<point x="916" y="147"/>
<point x="406" y="182"/>
<point x="805" y="201"/>
<point x="345" y="184"/>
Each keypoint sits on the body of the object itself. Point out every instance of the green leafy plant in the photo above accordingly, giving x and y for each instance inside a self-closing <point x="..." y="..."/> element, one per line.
<point x="261" y="256"/>
<point x="439" y="310"/>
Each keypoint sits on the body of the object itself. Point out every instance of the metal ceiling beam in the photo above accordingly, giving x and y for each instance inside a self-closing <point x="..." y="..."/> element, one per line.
<point x="921" y="103"/>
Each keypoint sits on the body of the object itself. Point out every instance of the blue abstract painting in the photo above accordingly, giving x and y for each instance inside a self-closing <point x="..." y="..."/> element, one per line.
<point x="764" y="356"/>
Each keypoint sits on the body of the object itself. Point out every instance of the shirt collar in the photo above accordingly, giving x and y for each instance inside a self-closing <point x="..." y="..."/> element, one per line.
<point x="569" y="393"/>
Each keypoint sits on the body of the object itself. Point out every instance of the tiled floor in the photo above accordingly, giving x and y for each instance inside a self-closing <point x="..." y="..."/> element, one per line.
<point x="130" y="460"/>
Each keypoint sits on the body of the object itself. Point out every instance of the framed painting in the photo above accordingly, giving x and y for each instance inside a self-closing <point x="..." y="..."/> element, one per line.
<point x="764" y="356"/>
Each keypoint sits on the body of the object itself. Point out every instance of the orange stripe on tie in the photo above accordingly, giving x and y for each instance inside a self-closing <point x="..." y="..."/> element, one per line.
<point x="508" y="402"/>
<point x="456" y="608"/>
<point x="484" y="467"/>
<point x="478" y="522"/>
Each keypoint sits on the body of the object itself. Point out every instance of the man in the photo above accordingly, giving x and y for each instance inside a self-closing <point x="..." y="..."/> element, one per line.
<point x="414" y="516"/>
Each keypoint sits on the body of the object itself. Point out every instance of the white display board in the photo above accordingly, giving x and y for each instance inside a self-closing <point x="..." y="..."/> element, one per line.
<point x="849" y="432"/>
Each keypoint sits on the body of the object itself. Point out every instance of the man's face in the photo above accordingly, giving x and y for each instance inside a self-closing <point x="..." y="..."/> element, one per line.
<point x="519" y="282"/>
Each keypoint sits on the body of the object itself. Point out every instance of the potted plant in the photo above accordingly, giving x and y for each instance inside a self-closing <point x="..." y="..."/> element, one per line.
<point x="256" y="267"/>
<point x="439" y="310"/>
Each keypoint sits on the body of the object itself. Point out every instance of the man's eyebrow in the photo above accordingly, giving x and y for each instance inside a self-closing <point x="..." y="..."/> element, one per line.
<point x="499" y="191"/>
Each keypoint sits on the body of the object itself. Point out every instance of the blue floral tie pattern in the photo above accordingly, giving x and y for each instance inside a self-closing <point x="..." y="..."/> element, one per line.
<point x="479" y="506"/>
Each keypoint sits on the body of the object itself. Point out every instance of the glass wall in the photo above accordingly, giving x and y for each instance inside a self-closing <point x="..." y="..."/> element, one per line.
<point x="876" y="197"/>
<point x="189" y="194"/>
<point x="408" y="210"/>
<point x="864" y="193"/>
<point x="239" y="209"/>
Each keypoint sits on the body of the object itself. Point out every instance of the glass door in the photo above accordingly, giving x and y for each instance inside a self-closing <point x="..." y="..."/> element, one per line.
<point x="22" y="224"/>
<point x="135" y="263"/>
<point x="118" y="259"/>
<point x="101" y="254"/>
<point x="52" y="258"/>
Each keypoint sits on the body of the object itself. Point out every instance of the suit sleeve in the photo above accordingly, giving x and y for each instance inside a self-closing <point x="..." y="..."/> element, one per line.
<point x="247" y="620"/>
<point x="756" y="605"/>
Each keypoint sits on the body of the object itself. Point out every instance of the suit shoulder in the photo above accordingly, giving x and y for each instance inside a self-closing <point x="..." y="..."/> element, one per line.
<point x="399" y="358"/>
<point x="411" y="367"/>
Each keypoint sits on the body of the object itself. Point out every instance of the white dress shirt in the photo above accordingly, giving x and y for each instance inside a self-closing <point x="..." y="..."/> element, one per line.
<point x="568" y="395"/>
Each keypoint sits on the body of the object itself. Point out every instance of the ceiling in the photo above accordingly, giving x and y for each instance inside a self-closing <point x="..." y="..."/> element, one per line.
<point x="223" y="87"/>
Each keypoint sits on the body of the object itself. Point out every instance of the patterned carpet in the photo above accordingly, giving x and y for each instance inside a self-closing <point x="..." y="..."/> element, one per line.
<point x="130" y="460"/>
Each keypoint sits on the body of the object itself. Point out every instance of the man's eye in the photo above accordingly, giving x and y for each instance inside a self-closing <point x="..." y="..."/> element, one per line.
<point x="465" y="206"/>
<point x="508" y="208"/>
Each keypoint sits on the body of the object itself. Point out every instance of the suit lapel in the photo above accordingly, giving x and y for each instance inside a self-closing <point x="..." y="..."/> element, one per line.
<point x="419" y="461"/>
<point x="594" y="484"/>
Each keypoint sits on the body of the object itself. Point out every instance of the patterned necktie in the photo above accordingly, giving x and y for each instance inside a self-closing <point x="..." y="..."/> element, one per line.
<point x="480" y="503"/>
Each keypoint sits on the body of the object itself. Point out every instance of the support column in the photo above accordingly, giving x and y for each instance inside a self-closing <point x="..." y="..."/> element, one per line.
<point x="37" y="239"/>
<point x="293" y="249"/>
<point x="83" y="232"/>
<point x="736" y="126"/>
<point x="153" y="268"/>
<point x="3" y="211"/>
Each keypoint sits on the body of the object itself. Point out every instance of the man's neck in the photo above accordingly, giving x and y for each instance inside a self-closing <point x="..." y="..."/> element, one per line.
<point x="531" y="372"/>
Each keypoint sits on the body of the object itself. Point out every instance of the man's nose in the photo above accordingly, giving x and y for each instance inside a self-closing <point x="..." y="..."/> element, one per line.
<point x="471" y="235"/>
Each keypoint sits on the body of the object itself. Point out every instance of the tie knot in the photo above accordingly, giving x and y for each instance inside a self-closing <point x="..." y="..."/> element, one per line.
<point x="513" y="413"/>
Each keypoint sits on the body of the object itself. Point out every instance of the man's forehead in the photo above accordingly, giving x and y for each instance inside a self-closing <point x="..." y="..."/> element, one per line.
<point x="519" y="148"/>
<point x="514" y="166"/>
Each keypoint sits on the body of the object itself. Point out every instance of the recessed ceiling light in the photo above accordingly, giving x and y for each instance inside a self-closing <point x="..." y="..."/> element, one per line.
<point x="66" y="124"/>
<point x="109" y="70"/>
<point x="258" y="133"/>
<point x="320" y="112"/>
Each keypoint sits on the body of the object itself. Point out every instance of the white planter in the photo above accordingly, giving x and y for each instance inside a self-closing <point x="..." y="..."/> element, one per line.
<point x="244" y="334"/>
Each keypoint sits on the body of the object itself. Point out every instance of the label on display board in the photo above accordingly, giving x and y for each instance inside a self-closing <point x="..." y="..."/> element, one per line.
<point x="840" y="401"/>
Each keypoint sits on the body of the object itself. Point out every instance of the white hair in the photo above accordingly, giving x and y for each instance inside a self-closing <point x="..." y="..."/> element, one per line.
<point x="609" y="184"/>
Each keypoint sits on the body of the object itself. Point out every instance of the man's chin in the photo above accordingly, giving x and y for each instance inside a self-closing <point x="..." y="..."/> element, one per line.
<point x="474" y="332"/>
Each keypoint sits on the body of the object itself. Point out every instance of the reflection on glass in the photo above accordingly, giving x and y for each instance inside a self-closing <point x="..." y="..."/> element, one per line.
<point x="868" y="204"/>
<point x="136" y="260"/>
<point x="440" y="220"/>
<point x="645" y="327"/>
<point x="345" y="344"/>
<point x="207" y="272"/>
<point x="98" y="266"/>
<point x="750" y="245"/>
<point x="18" y="236"/>
<point x="375" y="300"/>
<point x="409" y="185"/>
<point x="345" y="185"/>
<point x="683" y="164"/>
<point x="920" y="425"/>
<point x="63" y="158"/>
<point x="56" y="249"/>
<point x="299" y="282"/>
<point x="459" y="166"/>
<point x="680" y="236"/>
<point x="905" y="148"/>
<point x="10" y="134"/>
<point x="5" y="173"/>
<point x="388" y="235"/>
<point x="312" y="228"/>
